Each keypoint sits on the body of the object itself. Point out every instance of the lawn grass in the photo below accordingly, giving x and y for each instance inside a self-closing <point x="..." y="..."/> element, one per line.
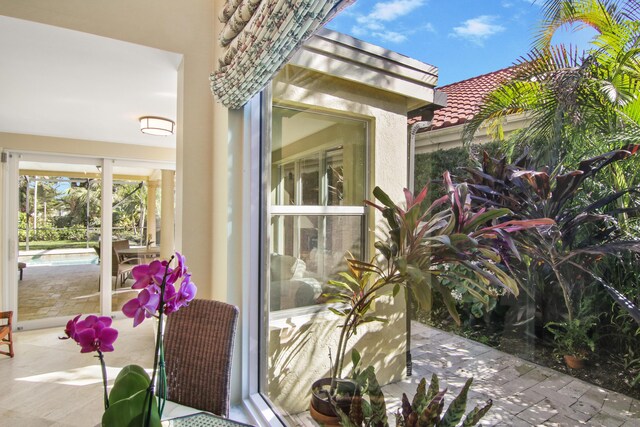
<point x="58" y="244"/>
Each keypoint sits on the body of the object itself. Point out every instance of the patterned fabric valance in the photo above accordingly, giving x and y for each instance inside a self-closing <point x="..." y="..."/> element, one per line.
<point x="259" y="37"/>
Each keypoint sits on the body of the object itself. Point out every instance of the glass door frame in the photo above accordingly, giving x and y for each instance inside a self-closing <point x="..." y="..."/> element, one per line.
<point x="10" y="220"/>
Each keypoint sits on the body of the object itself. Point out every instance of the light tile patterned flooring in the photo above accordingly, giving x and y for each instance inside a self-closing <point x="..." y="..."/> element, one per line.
<point x="50" y="383"/>
<point x="523" y="394"/>
<point x="65" y="290"/>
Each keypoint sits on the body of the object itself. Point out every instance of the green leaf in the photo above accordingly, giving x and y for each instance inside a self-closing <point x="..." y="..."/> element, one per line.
<point x="420" y="398"/>
<point x="131" y="412"/>
<point x="476" y="414"/>
<point x="383" y="198"/>
<point x="378" y="406"/>
<point x="434" y="388"/>
<point x="355" y="358"/>
<point x="450" y="303"/>
<point x="130" y="380"/>
<point x="457" y="407"/>
<point x="485" y="217"/>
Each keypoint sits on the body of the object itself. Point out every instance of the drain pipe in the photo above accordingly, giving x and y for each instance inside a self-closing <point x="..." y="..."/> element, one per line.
<point x="411" y="156"/>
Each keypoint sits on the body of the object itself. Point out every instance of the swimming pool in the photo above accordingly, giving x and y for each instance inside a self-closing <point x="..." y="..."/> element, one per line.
<point x="47" y="261"/>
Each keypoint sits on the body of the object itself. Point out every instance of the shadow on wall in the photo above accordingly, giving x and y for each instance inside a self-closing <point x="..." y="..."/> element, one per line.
<point x="299" y="352"/>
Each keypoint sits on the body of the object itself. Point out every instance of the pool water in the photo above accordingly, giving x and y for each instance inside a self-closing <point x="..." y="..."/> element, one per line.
<point x="48" y="261"/>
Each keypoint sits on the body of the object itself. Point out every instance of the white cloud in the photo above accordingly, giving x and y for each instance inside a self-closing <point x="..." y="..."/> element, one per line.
<point x="382" y="13"/>
<point x="391" y="10"/>
<point x="391" y="36"/>
<point x="477" y="30"/>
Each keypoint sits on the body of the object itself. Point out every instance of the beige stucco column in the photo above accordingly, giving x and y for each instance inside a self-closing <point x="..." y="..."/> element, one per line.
<point x="167" y="214"/>
<point x="152" y="186"/>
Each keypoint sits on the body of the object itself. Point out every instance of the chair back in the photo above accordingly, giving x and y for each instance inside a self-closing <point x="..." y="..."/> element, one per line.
<point x="198" y="347"/>
<point x="116" y="245"/>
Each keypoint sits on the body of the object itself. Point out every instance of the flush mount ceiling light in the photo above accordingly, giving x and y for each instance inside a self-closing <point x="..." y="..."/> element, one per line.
<point x="157" y="126"/>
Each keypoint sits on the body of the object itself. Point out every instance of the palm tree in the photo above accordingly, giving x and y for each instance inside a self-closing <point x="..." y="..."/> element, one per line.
<point x="577" y="102"/>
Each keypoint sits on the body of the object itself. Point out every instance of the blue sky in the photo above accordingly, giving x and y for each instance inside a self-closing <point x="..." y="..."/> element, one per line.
<point x="463" y="38"/>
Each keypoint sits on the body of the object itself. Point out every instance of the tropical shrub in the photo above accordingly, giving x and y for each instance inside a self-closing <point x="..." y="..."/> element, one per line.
<point x="582" y="234"/>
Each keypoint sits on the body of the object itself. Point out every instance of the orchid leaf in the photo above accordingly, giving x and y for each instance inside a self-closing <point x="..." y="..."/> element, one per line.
<point x="130" y="380"/>
<point x="131" y="412"/>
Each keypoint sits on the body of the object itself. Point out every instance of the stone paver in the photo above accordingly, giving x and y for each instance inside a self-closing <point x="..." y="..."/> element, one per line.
<point x="524" y="394"/>
<point x="64" y="290"/>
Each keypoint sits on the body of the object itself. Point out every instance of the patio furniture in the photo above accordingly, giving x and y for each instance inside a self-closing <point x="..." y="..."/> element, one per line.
<point x="6" y="334"/>
<point x="147" y="254"/>
<point x="121" y="264"/>
<point x="198" y="353"/>
<point x="21" y="267"/>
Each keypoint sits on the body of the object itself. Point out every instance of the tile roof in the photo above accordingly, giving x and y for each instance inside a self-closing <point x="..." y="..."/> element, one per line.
<point x="464" y="98"/>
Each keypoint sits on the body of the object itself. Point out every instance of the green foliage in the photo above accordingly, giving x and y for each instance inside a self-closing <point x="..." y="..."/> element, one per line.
<point x="574" y="337"/>
<point x="128" y="400"/>
<point x="425" y="410"/>
<point x="576" y="101"/>
<point x="429" y="167"/>
<point x="581" y="231"/>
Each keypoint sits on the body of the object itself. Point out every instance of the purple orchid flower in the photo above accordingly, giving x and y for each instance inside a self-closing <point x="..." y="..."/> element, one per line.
<point x="183" y="296"/>
<point x="141" y="307"/>
<point x="147" y="274"/>
<point x="93" y="333"/>
<point x="179" y="271"/>
<point x="149" y="278"/>
<point x="70" y="330"/>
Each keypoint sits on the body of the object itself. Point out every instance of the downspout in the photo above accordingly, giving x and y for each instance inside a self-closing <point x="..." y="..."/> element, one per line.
<point x="411" y="154"/>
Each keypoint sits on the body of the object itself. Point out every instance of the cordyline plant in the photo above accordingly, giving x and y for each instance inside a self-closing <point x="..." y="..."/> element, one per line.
<point x="583" y="231"/>
<point x="132" y="401"/>
<point x="425" y="409"/>
<point x="450" y="231"/>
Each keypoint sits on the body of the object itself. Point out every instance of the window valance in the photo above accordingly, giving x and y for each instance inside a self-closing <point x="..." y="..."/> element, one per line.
<point x="259" y="37"/>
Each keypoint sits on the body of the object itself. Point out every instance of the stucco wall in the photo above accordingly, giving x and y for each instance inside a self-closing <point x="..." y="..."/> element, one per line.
<point x="298" y="353"/>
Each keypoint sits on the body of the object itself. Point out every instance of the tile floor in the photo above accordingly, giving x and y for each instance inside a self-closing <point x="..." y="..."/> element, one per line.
<point x="50" y="383"/>
<point x="523" y="394"/>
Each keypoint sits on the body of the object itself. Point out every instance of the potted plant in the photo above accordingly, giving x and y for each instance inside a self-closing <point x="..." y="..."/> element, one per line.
<point x="357" y="290"/>
<point x="572" y="338"/>
<point x="421" y="237"/>
<point x="134" y="400"/>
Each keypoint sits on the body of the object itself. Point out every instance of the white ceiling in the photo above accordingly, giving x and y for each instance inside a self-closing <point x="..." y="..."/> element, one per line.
<point x="64" y="83"/>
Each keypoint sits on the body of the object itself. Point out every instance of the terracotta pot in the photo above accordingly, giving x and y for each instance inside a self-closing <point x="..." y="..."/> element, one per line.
<point x="320" y="397"/>
<point x="322" y="419"/>
<point x="573" y="362"/>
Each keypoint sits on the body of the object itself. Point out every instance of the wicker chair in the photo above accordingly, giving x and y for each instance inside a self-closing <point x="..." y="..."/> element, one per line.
<point x="198" y="348"/>
<point x="6" y="332"/>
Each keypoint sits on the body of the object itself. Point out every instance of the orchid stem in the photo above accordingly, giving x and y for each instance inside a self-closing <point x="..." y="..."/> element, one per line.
<point x="150" y="391"/>
<point x="104" y="379"/>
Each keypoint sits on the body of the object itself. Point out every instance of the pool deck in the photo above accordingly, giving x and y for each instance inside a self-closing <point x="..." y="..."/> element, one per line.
<point x="49" y="291"/>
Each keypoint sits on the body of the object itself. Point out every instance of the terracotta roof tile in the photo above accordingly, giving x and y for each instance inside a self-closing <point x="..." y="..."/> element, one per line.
<point x="464" y="98"/>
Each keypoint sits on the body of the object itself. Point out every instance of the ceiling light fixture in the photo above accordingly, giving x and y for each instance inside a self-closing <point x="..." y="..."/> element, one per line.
<point x="157" y="126"/>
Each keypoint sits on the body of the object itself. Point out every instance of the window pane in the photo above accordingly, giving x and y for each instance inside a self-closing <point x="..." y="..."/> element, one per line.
<point x="317" y="159"/>
<point x="310" y="181"/>
<point x="306" y="252"/>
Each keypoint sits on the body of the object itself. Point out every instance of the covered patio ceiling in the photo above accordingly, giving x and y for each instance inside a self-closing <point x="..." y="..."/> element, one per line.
<point x="62" y="83"/>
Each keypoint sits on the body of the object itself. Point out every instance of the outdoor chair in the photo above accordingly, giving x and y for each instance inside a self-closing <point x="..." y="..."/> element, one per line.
<point x="198" y="352"/>
<point x="6" y="334"/>
<point x="21" y="267"/>
<point x="121" y="266"/>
